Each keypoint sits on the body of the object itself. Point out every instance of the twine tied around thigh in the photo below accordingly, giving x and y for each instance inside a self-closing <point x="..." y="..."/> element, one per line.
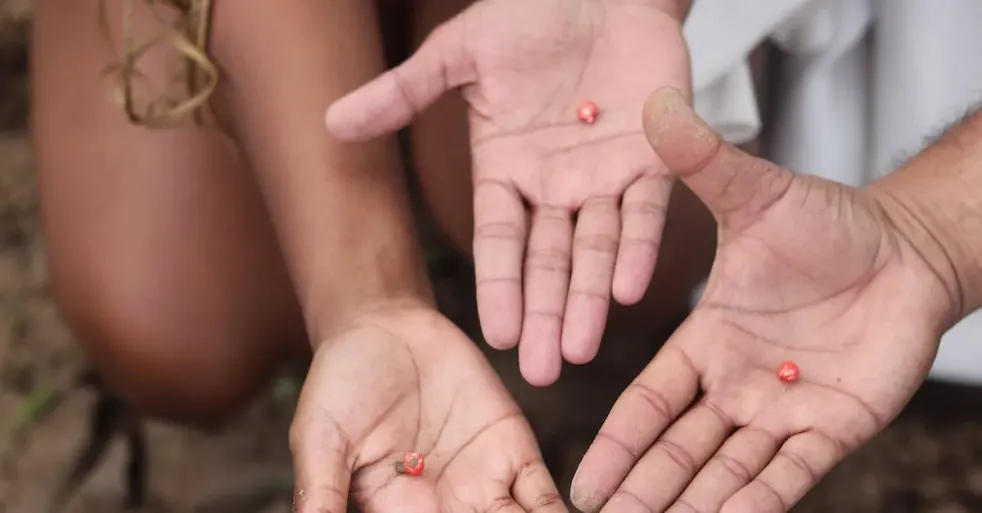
<point x="188" y="36"/>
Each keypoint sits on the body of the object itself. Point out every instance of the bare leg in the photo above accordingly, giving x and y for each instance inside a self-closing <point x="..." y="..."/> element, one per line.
<point x="162" y="257"/>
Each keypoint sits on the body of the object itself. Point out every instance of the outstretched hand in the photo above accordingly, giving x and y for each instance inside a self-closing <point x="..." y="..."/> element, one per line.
<point x="597" y="194"/>
<point x="807" y="270"/>
<point x="401" y="381"/>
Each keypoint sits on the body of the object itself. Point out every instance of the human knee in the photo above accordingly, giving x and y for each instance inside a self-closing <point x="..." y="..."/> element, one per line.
<point x="163" y="362"/>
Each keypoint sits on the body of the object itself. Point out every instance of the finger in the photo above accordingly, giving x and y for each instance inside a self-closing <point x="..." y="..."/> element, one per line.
<point x="802" y="461"/>
<point x="321" y="465"/>
<point x="547" y="266"/>
<point x="736" y="187"/>
<point x="535" y="490"/>
<point x="736" y="463"/>
<point x="650" y="404"/>
<point x="643" y="218"/>
<point x="594" y="253"/>
<point x="500" y="233"/>
<point x="392" y="100"/>
<point x="673" y="460"/>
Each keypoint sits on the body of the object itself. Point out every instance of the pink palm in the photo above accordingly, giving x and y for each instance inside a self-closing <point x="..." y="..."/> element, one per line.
<point x="524" y="67"/>
<point x="406" y="380"/>
<point x="806" y="270"/>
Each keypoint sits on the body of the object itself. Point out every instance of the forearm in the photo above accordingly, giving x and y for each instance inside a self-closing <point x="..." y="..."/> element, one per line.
<point x="939" y="198"/>
<point x="340" y="208"/>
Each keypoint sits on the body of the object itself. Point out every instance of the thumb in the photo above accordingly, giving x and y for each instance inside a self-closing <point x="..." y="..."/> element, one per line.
<point x="322" y="473"/>
<point x="393" y="99"/>
<point x="735" y="186"/>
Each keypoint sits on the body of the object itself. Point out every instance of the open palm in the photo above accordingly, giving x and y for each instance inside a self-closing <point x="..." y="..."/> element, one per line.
<point x="408" y="381"/>
<point x="808" y="271"/>
<point x="524" y="67"/>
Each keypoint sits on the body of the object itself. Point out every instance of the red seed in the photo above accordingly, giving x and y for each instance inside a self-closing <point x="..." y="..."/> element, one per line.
<point x="412" y="464"/>
<point x="788" y="372"/>
<point x="588" y="112"/>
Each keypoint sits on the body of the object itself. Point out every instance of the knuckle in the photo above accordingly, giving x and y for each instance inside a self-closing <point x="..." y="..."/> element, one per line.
<point x="677" y="454"/>
<point x="499" y="230"/>
<point x="597" y="242"/>
<point x="645" y="208"/>
<point x="735" y="467"/>
<point x="605" y="205"/>
<point x="621" y="442"/>
<point x="548" y="259"/>
<point x="799" y="462"/>
<point x="654" y="400"/>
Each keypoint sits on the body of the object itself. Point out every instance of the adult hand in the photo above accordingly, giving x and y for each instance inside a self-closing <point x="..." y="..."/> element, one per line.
<point x="807" y="270"/>
<point x="406" y="380"/>
<point x="524" y="68"/>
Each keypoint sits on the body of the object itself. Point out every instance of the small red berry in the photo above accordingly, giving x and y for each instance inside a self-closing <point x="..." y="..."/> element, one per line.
<point x="588" y="112"/>
<point x="412" y="463"/>
<point x="788" y="372"/>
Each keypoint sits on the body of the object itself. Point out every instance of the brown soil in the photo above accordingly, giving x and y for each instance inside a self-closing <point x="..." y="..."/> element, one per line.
<point x="930" y="460"/>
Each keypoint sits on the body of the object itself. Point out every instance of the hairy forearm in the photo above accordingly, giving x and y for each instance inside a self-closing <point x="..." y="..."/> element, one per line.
<point x="939" y="195"/>
<point x="340" y="208"/>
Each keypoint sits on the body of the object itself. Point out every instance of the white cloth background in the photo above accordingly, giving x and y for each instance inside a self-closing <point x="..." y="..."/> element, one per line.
<point x="867" y="83"/>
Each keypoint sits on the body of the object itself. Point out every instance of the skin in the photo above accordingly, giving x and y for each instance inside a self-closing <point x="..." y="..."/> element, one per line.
<point x="377" y="342"/>
<point x="144" y="230"/>
<point x="190" y="264"/>
<point x="543" y="281"/>
<point x="856" y="285"/>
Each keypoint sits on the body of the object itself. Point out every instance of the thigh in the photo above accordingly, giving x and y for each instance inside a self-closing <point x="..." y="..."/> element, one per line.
<point x="161" y="254"/>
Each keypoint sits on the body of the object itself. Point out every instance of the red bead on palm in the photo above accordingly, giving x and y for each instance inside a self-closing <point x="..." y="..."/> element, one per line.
<point x="788" y="372"/>
<point x="412" y="463"/>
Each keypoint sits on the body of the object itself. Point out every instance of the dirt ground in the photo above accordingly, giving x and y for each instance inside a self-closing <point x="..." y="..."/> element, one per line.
<point x="930" y="460"/>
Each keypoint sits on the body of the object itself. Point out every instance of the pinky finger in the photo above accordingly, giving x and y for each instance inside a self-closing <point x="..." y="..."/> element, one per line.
<point x="802" y="461"/>
<point x="642" y="220"/>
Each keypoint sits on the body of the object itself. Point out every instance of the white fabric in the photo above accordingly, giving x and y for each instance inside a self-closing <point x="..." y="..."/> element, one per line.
<point x="855" y="101"/>
<point x="721" y="34"/>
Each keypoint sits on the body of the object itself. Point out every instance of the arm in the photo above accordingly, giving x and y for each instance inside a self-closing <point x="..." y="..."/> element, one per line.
<point x="936" y="201"/>
<point x="340" y="208"/>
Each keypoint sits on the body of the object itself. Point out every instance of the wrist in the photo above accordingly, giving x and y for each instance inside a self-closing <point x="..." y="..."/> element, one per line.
<point x="326" y="329"/>
<point x="934" y="202"/>
<point x="909" y="218"/>
<point x="934" y="212"/>
<point x="341" y="299"/>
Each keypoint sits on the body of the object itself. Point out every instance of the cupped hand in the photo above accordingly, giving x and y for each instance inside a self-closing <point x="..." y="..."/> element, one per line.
<point x="596" y="193"/>
<point x="406" y="380"/>
<point x="807" y="271"/>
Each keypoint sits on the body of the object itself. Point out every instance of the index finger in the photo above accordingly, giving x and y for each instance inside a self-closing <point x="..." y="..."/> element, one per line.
<point x="663" y="390"/>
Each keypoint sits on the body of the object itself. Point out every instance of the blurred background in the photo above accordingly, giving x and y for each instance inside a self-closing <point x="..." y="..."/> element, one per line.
<point x="68" y="445"/>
